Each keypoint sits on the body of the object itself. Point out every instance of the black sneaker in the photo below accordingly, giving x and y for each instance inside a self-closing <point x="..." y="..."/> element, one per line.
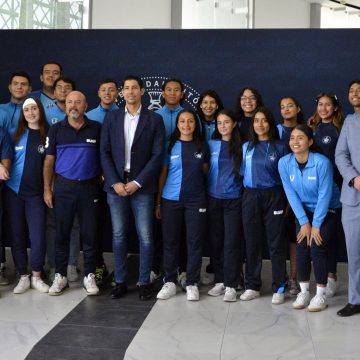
<point x="101" y="273"/>
<point x="144" y="292"/>
<point x="119" y="291"/>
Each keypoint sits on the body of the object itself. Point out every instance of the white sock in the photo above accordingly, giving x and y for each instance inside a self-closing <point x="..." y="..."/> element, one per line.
<point x="331" y="280"/>
<point x="304" y="286"/>
<point x="320" y="291"/>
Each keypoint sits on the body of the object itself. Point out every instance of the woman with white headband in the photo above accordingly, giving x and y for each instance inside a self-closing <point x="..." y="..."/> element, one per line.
<point x="25" y="214"/>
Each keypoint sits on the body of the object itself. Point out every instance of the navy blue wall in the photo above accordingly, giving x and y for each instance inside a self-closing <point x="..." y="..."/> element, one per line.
<point x="277" y="62"/>
<point x="301" y="63"/>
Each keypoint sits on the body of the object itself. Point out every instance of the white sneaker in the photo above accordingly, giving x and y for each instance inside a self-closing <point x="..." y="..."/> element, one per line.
<point x="182" y="280"/>
<point x="249" y="295"/>
<point x="59" y="284"/>
<point x="278" y="299"/>
<point x="72" y="273"/>
<point x="23" y="285"/>
<point x="318" y="303"/>
<point x="207" y="278"/>
<point x="37" y="283"/>
<point x="217" y="290"/>
<point x="302" y="300"/>
<point x="192" y="293"/>
<point x="167" y="291"/>
<point x="230" y="294"/>
<point x="331" y="287"/>
<point x="90" y="285"/>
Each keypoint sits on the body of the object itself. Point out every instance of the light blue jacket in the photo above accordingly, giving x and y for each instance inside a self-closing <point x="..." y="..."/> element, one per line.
<point x="310" y="188"/>
<point x="98" y="114"/>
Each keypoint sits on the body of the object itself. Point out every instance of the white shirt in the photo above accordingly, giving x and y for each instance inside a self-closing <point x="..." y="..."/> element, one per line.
<point x="130" y="125"/>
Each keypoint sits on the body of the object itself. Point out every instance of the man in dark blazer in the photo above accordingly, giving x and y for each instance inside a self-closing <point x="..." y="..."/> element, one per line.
<point x="132" y="142"/>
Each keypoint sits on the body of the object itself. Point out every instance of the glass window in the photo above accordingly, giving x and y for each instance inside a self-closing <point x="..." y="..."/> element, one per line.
<point x="44" y="14"/>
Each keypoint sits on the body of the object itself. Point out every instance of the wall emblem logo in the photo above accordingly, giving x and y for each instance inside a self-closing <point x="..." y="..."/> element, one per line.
<point x="152" y="96"/>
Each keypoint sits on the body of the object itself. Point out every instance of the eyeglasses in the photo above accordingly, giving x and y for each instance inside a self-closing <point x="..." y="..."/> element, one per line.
<point x="248" y="98"/>
<point x="289" y="106"/>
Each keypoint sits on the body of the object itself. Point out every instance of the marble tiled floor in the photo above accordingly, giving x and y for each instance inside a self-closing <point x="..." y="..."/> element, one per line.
<point x="26" y="318"/>
<point x="211" y="329"/>
<point x="175" y="329"/>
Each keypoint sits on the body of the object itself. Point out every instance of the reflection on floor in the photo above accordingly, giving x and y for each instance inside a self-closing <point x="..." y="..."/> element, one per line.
<point x="102" y="328"/>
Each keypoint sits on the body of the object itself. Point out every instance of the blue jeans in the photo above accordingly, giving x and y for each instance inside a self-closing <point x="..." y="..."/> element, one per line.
<point x="142" y="206"/>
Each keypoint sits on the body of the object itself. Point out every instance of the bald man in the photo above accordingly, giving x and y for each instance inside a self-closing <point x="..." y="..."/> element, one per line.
<point x="72" y="160"/>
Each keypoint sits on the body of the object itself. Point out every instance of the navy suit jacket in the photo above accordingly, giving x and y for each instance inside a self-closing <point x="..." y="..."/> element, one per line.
<point x="146" y="150"/>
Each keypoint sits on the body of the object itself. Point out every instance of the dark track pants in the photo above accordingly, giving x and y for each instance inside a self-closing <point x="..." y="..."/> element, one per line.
<point x="263" y="220"/>
<point x="26" y="219"/>
<point x="318" y="254"/>
<point x="224" y="216"/>
<point x="173" y="213"/>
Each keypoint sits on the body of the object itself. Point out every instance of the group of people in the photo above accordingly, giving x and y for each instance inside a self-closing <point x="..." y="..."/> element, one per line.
<point x="229" y="180"/>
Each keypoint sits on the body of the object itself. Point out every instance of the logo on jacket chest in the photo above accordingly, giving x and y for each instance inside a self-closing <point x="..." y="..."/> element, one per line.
<point x="326" y="139"/>
<point x="272" y="157"/>
<point x="198" y="155"/>
<point x="41" y="149"/>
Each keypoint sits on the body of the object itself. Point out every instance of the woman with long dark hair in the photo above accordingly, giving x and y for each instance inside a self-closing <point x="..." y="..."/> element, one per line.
<point x="263" y="206"/>
<point x="182" y="198"/>
<point x="208" y="107"/>
<point x="224" y="205"/>
<point x="326" y="123"/>
<point x="247" y="102"/>
<point x="25" y="210"/>
<point x="307" y="177"/>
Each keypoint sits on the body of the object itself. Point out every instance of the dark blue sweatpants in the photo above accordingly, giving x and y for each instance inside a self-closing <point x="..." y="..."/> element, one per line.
<point x="224" y="216"/>
<point x="173" y="214"/>
<point x="26" y="219"/>
<point x="263" y="214"/>
<point x="318" y="254"/>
